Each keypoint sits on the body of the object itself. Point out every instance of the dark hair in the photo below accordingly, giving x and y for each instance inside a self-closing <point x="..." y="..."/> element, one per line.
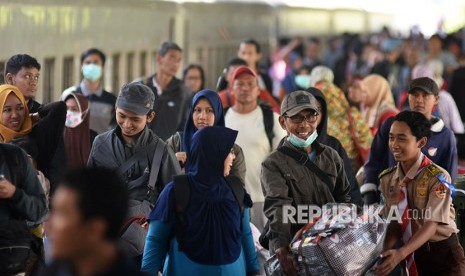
<point x="252" y="41"/>
<point x="314" y="40"/>
<point x="198" y="67"/>
<point x="167" y="46"/>
<point x="235" y="62"/>
<point x="93" y="51"/>
<point x="16" y="62"/>
<point x="222" y="82"/>
<point x="417" y="122"/>
<point x="101" y="194"/>
<point x="436" y="36"/>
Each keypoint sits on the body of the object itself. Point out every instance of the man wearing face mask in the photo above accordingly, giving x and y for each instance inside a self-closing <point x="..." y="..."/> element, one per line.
<point x="102" y="103"/>
<point x="287" y="180"/>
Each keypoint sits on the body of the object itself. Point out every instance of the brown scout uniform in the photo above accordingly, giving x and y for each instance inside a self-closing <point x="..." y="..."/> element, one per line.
<point x="429" y="200"/>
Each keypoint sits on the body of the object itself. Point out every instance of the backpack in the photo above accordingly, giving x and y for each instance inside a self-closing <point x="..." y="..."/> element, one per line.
<point x="268" y="121"/>
<point x="182" y="195"/>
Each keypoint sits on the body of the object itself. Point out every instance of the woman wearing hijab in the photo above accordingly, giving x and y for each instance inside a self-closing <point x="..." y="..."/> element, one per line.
<point x="44" y="128"/>
<point x="206" y="110"/>
<point x="345" y="123"/>
<point x="374" y="97"/>
<point x="77" y="136"/>
<point x="217" y="239"/>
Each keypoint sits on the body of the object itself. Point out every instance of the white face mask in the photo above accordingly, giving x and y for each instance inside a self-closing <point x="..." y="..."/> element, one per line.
<point x="73" y="119"/>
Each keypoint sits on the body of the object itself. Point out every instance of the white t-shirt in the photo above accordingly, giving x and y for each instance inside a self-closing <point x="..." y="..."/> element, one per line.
<point x="255" y="145"/>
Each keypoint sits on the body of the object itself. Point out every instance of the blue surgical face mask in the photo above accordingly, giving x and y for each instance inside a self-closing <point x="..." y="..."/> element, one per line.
<point x="302" y="81"/>
<point x="301" y="143"/>
<point x="92" y="71"/>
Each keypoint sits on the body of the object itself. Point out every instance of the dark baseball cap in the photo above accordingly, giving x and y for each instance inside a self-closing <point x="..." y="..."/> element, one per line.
<point x="297" y="101"/>
<point x="136" y="97"/>
<point x="424" y="83"/>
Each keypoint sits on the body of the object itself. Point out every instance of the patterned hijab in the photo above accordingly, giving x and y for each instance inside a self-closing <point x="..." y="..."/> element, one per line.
<point x="7" y="134"/>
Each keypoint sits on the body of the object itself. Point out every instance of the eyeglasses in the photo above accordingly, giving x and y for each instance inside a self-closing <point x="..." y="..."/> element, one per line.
<point x="298" y="119"/>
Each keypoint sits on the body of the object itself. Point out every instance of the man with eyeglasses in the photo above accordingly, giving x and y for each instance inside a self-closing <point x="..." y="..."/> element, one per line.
<point x="288" y="182"/>
<point x="23" y="71"/>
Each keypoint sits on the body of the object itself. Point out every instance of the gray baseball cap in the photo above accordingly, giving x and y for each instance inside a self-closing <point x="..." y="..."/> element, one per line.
<point x="297" y="101"/>
<point x="136" y="97"/>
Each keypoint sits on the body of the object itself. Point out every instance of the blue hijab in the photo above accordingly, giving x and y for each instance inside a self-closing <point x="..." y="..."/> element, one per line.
<point x="189" y="127"/>
<point x="213" y="216"/>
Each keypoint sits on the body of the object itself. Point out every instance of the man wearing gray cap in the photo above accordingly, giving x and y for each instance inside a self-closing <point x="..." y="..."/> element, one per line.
<point x="302" y="172"/>
<point x="142" y="159"/>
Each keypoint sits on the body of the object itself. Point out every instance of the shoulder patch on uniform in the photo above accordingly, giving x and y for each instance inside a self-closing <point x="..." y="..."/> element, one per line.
<point x="433" y="170"/>
<point x="441" y="191"/>
<point x="387" y="171"/>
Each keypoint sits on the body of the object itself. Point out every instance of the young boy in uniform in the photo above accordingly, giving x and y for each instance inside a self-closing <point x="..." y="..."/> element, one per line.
<point x="421" y="193"/>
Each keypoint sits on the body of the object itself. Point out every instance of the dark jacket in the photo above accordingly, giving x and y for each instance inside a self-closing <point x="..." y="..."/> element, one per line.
<point x="286" y="182"/>
<point x="48" y="135"/>
<point x="171" y="108"/>
<point x="33" y="106"/>
<point x="333" y="142"/>
<point x="28" y="201"/>
<point x="109" y="151"/>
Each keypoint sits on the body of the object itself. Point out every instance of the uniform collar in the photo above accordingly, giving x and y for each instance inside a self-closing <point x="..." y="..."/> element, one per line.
<point x="413" y="170"/>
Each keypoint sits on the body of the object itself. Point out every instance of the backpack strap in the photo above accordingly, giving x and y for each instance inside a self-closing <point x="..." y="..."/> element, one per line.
<point x="154" y="170"/>
<point x="268" y="122"/>
<point x="228" y="98"/>
<point x="181" y="199"/>
<point x="238" y="190"/>
<point x="305" y="161"/>
<point x="132" y="160"/>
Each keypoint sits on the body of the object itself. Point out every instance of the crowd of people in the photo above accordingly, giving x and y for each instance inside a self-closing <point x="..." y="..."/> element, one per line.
<point x="169" y="176"/>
